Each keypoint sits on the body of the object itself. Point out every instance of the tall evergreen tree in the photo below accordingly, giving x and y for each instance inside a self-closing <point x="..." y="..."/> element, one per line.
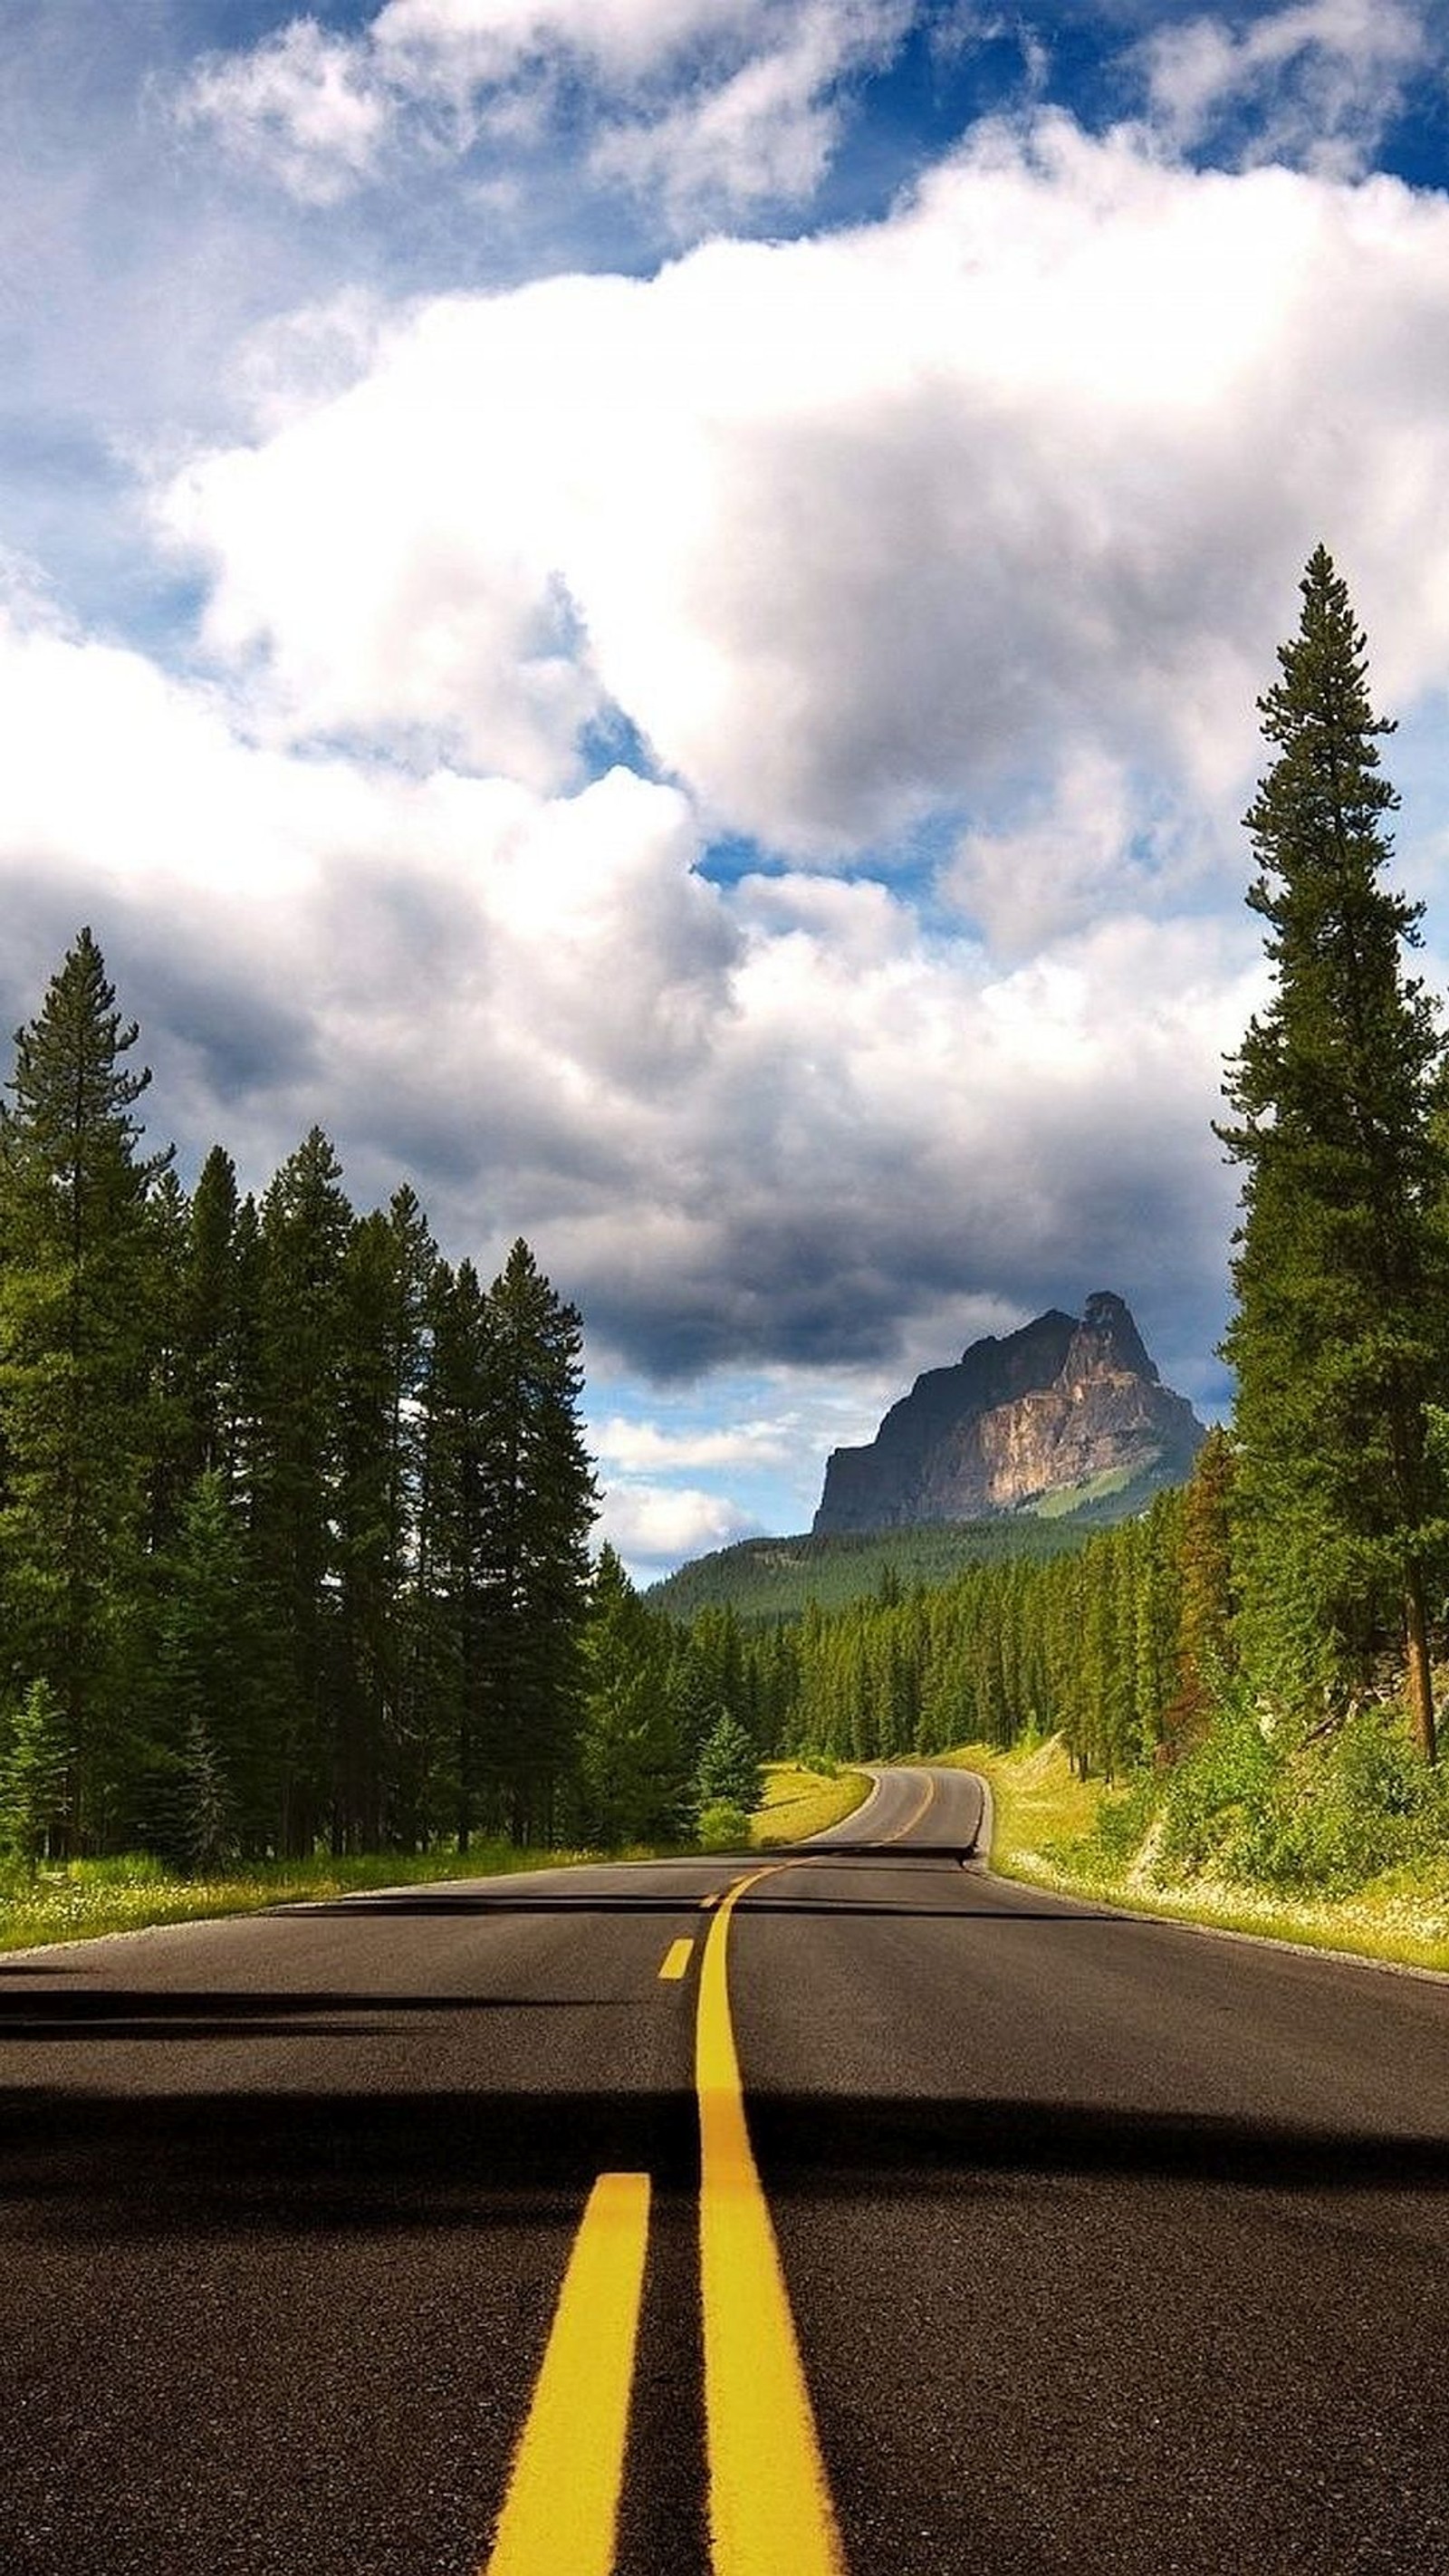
<point x="632" y="1785"/>
<point x="212" y="1323"/>
<point x="452" y="1533"/>
<point x="305" y="1225"/>
<point x="539" y="1497"/>
<point x="1206" y="1595"/>
<point x="77" y="1340"/>
<point x="219" y="1715"/>
<point x="34" y="1759"/>
<point x="1336" y="1274"/>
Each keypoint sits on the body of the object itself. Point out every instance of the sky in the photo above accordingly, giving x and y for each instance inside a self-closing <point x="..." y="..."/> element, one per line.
<point x="651" y="611"/>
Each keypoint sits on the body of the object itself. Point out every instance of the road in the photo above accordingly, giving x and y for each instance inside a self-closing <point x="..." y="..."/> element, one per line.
<point x="1029" y="2238"/>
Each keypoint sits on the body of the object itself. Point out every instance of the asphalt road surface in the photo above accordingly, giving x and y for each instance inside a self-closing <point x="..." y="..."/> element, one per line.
<point x="914" y="2224"/>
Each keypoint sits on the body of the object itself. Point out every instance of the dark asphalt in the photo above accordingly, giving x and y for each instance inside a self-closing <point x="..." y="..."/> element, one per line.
<point x="1112" y="2248"/>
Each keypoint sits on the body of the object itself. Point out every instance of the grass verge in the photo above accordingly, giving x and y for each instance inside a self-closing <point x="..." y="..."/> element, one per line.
<point x="84" y="1899"/>
<point x="1044" y="1816"/>
<point x="800" y="1801"/>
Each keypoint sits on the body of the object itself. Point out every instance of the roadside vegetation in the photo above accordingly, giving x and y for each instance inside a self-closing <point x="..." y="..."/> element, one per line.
<point x="80" y="1900"/>
<point x="1057" y="1830"/>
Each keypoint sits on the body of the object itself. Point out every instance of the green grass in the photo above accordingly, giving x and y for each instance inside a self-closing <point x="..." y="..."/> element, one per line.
<point x="801" y="1801"/>
<point x="84" y="1899"/>
<point x="1092" y="1489"/>
<point x="1044" y="1815"/>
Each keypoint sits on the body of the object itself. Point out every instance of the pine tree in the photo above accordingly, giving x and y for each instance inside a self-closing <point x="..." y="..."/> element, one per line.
<point x="384" y="1285"/>
<point x="631" y="1783"/>
<point x="305" y="1225"/>
<point x="539" y="1501"/>
<point x="1336" y="1274"/>
<point x="729" y="1773"/>
<point x="1207" y="1602"/>
<point x="33" y="1766"/>
<point x="206" y="1836"/>
<point x="212" y="1321"/>
<point x="78" y="1335"/>
<point x="452" y="1534"/>
<point x="217" y="1676"/>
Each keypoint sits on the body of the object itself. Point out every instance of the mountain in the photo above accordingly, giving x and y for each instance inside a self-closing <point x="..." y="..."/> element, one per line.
<point x="1060" y="1413"/>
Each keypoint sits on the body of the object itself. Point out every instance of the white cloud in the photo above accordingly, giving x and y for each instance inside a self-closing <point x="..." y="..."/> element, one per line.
<point x="1321" y="78"/>
<point x="856" y="527"/>
<point x="711" y="102"/>
<point x="1093" y="839"/>
<point x="488" y="39"/>
<point x="632" y="1446"/>
<point x="654" y="1525"/>
<point x="768" y="130"/>
<point x="302" y="106"/>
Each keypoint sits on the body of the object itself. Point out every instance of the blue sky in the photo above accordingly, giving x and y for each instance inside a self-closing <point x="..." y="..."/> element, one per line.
<point x="651" y="609"/>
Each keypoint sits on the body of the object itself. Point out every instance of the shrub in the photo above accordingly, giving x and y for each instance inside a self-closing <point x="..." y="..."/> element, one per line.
<point x="723" y="1827"/>
<point x="1218" y="1798"/>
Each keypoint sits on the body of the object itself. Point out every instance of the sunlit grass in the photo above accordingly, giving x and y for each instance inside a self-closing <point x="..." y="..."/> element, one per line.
<point x="1037" y="1799"/>
<point x="84" y="1899"/>
<point x="1042" y="1810"/>
<point x="800" y="1801"/>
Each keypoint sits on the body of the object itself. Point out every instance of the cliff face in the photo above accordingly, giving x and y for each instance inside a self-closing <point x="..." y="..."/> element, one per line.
<point x="1048" y="1408"/>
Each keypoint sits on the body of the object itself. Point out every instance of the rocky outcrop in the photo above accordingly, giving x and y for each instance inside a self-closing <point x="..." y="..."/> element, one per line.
<point x="1055" y="1407"/>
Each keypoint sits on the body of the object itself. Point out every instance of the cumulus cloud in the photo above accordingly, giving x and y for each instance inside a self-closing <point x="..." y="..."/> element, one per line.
<point x="1094" y="837"/>
<point x="632" y="1446"/>
<point x="858" y="527"/>
<point x="954" y="546"/>
<point x="1317" y="82"/>
<point x="653" y="1526"/>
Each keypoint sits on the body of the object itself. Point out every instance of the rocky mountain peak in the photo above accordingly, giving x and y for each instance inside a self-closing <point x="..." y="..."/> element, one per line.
<point x="1069" y="1404"/>
<point x="1107" y="1341"/>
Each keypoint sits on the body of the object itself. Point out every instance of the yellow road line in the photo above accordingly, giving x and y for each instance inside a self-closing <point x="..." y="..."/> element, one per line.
<point x="706" y="1902"/>
<point x="562" y="2507"/>
<point x="677" y="1958"/>
<point x="770" y="2508"/>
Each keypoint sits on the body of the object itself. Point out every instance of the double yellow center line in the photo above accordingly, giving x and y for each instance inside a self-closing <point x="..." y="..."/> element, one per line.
<point x="770" y="2506"/>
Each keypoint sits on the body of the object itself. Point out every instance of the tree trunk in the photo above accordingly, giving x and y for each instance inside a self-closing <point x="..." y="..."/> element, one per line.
<point x="1420" y="1686"/>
